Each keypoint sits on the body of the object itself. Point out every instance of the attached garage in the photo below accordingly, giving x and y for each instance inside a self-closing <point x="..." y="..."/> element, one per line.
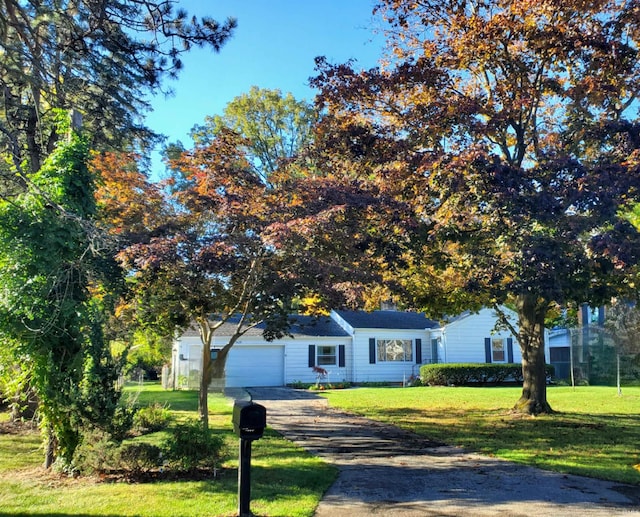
<point x="255" y="366"/>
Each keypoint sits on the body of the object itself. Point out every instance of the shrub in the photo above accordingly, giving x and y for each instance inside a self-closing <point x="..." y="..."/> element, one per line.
<point x="190" y="447"/>
<point x="96" y="454"/>
<point x="152" y="418"/>
<point x="122" y="422"/>
<point x="462" y="374"/>
<point x="139" y="457"/>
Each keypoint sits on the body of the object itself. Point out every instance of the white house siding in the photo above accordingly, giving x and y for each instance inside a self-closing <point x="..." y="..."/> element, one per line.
<point x="255" y="362"/>
<point x="386" y="371"/>
<point x="297" y="360"/>
<point x="463" y="338"/>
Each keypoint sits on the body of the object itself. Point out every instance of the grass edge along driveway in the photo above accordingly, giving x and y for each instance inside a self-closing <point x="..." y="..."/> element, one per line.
<point x="286" y="481"/>
<point x="593" y="433"/>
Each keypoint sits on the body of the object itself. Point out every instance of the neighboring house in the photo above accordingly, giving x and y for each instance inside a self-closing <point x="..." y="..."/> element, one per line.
<point x="559" y="343"/>
<point x="576" y="345"/>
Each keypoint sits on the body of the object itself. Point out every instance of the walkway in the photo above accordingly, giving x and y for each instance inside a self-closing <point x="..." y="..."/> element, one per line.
<point x="387" y="471"/>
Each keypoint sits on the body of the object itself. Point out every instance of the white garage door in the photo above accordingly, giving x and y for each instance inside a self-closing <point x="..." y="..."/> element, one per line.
<point x="255" y="366"/>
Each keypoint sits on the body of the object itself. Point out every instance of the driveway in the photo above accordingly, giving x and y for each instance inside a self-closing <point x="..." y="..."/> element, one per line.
<point x="387" y="471"/>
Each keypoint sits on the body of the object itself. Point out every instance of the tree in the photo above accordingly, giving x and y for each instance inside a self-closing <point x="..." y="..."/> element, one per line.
<point x="512" y="129"/>
<point x="52" y="264"/>
<point x="101" y="58"/>
<point x="276" y="127"/>
<point x="231" y="249"/>
<point x="206" y="262"/>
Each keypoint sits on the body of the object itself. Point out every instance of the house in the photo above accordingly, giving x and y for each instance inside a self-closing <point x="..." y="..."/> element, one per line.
<point x="352" y="346"/>
<point x="583" y="347"/>
<point x="385" y="346"/>
<point x="253" y="361"/>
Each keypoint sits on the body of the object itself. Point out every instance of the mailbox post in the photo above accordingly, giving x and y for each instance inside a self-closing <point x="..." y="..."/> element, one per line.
<point x="249" y="421"/>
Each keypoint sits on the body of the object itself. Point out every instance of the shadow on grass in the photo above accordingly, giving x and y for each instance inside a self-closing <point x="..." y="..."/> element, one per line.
<point x="595" y="445"/>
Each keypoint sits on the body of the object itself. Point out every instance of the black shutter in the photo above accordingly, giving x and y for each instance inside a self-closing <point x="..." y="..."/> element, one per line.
<point x="434" y="350"/>
<point x="510" y="350"/>
<point x="312" y="356"/>
<point x="341" y="361"/>
<point x="372" y="350"/>
<point x="487" y="350"/>
<point x="418" y="351"/>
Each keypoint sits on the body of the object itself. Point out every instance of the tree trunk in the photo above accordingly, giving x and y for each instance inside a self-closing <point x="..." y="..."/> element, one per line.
<point x="211" y="369"/>
<point x="205" y="376"/>
<point x="50" y="447"/>
<point x="531" y="314"/>
<point x="218" y="367"/>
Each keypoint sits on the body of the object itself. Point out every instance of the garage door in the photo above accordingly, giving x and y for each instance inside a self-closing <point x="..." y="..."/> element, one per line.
<point x="255" y="366"/>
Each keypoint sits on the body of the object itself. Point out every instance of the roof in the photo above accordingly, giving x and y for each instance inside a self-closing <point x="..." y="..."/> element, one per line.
<point x="387" y="320"/>
<point x="300" y="326"/>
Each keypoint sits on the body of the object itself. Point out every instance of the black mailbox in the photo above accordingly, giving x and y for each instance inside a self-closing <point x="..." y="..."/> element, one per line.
<point x="249" y="420"/>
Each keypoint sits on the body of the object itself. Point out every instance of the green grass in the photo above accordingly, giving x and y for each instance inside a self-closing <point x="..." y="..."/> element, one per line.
<point x="285" y="480"/>
<point x="593" y="432"/>
<point x="18" y="451"/>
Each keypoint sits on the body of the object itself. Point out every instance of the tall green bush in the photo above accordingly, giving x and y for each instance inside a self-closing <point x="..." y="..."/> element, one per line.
<point x="469" y="374"/>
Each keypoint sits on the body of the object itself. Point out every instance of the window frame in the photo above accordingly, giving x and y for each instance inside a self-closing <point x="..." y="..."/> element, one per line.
<point x="384" y="357"/>
<point x="319" y="355"/>
<point x="502" y="350"/>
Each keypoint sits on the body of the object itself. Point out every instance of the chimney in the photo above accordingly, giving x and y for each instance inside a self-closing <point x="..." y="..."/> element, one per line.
<point x="388" y="305"/>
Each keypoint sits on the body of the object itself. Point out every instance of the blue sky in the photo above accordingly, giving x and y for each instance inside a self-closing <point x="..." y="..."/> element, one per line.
<point x="274" y="47"/>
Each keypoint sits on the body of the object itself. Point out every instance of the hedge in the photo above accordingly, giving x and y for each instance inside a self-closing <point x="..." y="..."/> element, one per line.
<point x="460" y="374"/>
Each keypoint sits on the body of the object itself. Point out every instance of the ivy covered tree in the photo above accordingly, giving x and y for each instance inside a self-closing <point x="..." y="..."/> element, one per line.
<point x="53" y="264"/>
<point x="512" y="129"/>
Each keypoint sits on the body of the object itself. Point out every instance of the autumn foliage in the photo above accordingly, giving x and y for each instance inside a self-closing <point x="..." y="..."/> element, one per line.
<point x="510" y="129"/>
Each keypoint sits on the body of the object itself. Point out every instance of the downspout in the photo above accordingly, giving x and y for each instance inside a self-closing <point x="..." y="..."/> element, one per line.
<point x="353" y="357"/>
<point x="444" y="343"/>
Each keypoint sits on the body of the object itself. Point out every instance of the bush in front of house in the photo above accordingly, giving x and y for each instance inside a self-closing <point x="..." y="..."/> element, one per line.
<point x="190" y="447"/>
<point x="469" y="374"/>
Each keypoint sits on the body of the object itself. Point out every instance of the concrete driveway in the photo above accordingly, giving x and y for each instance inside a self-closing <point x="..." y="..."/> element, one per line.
<point x="387" y="471"/>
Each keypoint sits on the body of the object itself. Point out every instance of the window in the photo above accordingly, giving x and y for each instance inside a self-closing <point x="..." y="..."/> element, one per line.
<point x="394" y="350"/>
<point x="326" y="355"/>
<point x="497" y="350"/>
<point x="561" y="354"/>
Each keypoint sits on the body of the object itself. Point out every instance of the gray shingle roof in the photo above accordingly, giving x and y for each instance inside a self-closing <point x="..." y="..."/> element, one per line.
<point x="387" y="320"/>
<point x="301" y="326"/>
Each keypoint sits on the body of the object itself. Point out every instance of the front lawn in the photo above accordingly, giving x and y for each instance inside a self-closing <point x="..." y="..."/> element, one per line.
<point x="593" y="432"/>
<point x="285" y="480"/>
